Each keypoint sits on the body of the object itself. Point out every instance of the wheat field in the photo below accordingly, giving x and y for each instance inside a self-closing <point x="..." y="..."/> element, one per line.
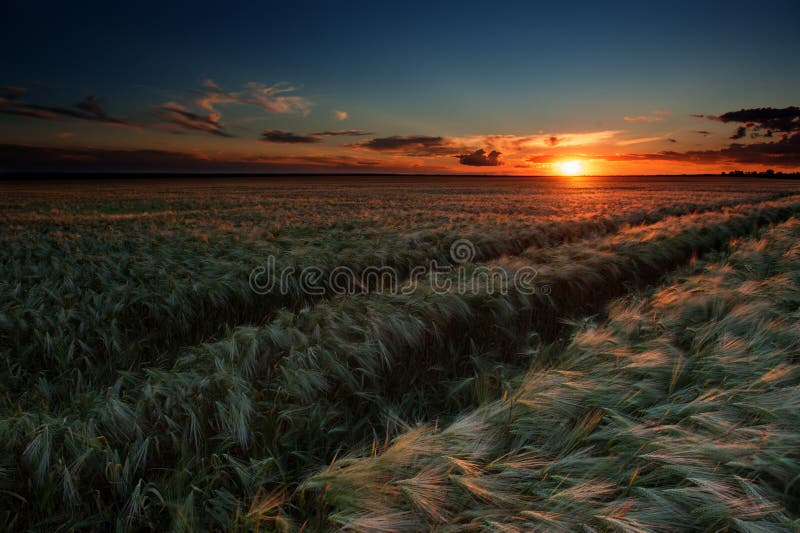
<point x="648" y="381"/>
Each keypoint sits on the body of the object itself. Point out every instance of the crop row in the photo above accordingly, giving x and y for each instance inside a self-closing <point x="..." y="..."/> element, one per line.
<point x="256" y="409"/>
<point x="96" y="303"/>
<point x="678" y="413"/>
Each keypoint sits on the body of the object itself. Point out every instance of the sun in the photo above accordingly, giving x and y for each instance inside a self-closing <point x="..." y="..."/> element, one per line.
<point x="571" y="168"/>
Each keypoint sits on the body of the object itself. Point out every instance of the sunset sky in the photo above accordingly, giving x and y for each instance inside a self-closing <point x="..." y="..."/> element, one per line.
<point x="505" y="88"/>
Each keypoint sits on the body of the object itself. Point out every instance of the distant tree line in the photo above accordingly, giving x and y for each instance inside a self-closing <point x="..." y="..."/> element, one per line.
<point x="769" y="173"/>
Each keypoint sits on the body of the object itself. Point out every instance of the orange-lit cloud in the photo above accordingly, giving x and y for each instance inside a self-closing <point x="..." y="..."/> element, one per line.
<point x="272" y="98"/>
<point x="509" y="143"/>
<point x="639" y="140"/>
<point x="643" y="118"/>
<point x="173" y="113"/>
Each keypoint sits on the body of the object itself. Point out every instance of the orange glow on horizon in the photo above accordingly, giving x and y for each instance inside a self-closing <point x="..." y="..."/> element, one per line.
<point x="570" y="168"/>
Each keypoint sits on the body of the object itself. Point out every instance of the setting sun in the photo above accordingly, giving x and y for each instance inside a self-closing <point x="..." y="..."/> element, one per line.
<point x="571" y="168"/>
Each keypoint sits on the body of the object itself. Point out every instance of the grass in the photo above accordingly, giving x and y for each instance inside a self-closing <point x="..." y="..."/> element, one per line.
<point x="145" y="385"/>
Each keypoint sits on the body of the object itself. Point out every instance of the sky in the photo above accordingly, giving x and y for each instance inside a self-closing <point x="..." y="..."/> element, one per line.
<point x="525" y="88"/>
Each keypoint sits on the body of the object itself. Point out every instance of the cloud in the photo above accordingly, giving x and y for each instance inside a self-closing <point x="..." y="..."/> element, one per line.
<point x="761" y="121"/>
<point x="479" y="158"/>
<point x="19" y="157"/>
<point x="515" y="143"/>
<point x="333" y="133"/>
<point x="466" y="147"/>
<point x="643" y="118"/>
<point x="785" y="119"/>
<point x="415" y="145"/>
<point x="661" y="112"/>
<point x="340" y="115"/>
<point x="694" y="115"/>
<point x="177" y="115"/>
<point x="741" y="131"/>
<point x="704" y="133"/>
<point x="670" y="139"/>
<point x="281" y="136"/>
<point x="50" y="159"/>
<point x="287" y="137"/>
<point x="89" y="109"/>
<point x="323" y="161"/>
<point x="273" y="98"/>
<point x="638" y="140"/>
<point x="544" y="158"/>
<point x="11" y="94"/>
<point x="785" y="152"/>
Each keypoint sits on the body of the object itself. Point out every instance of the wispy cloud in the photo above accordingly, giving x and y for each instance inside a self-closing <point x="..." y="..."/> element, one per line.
<point x="478" y="150"/>
<point x="515" y="143"/>
<point x="20" y="157"/>
<point x="340" y="115"/>
<point x="282" y="136"/>
<point x="333" y="133"/>
<point x="89" y="109"/>
<point x="782" y="153"/>
<point x="179" y="116"/>
<point x="275" y="98"/>
<point x="287" y="137"/>
<point x="638" y="140"/>
<point x="643" y="118"/>
<point x="414" y="145"/>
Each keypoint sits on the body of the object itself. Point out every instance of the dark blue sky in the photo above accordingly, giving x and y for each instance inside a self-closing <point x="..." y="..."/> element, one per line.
<point x="425" y="68"/>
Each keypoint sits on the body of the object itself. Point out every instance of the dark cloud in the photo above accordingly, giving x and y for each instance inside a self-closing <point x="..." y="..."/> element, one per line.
<point x="287" y="137"/>
<point x="175" y="114"/>
<point x="697" y="116"/>
<point x="741" y="131"/>
<point x="762" y="121"/>
<point x="785" y="152"/>
<point x="672" y="140"/>
<point x="552" y="141"/>
<point x="333" y="133"/>
<point x="11" y="93"/>
<point x="703" y="132"/>
<point x="12" y="103"/>
<point x="416" y="145"/>
<point x="785" y="119"/>
<point x="16" y="158"/>
<point x="479" y="158"/>
<point x="91" y="105"/>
